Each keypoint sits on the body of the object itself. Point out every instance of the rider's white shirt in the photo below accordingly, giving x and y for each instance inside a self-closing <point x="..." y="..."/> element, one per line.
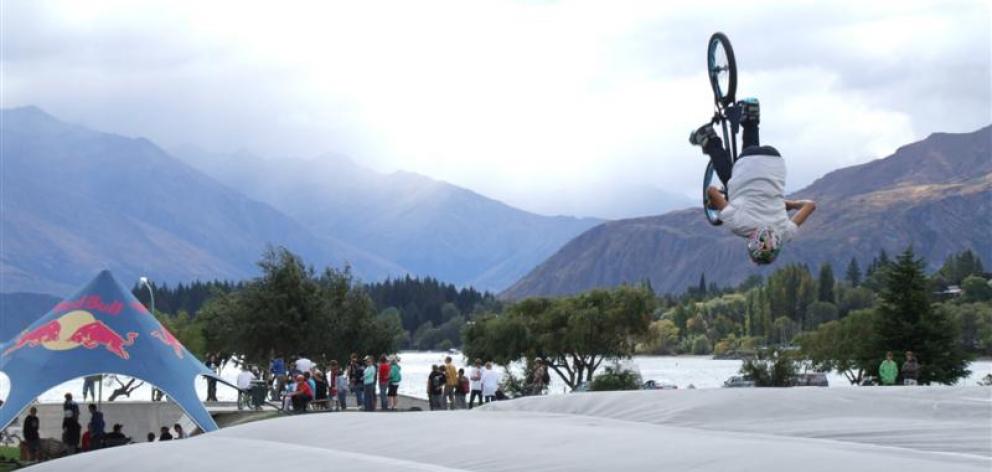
<point x="757" y="197"/>
<point x="244" y="379"/>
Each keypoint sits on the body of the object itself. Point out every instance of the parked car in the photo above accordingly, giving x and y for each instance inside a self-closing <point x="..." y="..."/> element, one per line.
<point x="659" y="385"/>
<point x="739" y="381"/>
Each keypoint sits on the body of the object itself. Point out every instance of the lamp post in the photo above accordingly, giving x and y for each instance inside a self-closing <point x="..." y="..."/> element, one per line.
<point x="151" y="294"/>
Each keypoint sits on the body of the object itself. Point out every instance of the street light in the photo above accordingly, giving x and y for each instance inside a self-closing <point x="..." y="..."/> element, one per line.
<point x="151" y="294"/>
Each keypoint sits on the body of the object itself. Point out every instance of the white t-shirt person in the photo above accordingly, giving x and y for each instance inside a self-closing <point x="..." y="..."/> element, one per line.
<point x="244" y="379"/>
<point x="475" y="378"/>
<point x="304" y="365"/>
<point x="756" y="191"/>
<point x="490" y="381"/>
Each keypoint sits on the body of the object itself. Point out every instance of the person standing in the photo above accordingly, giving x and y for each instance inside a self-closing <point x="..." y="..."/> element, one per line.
<point x="212" y="382"/>
<point x="888" y="370"/>
<point x="368" y="383"/>
<point x="475" y="382"/>
<point x="395" y="377"/>
<point x="355" y="374"/>
<point x="180" y="434"/>
<point x="277" y="367"/>
<point x="490" y="383"/>
<point x="95" y="428"/>
<point x="461" y="390"/>
<point x="910" y="369"/>
<point x="31" y="434"/>
<point x="383" y="380"/>
<point x="341" y="384"/>
<point x="450" y="383"/>
<point x="89" y="386"/>
<point x="435" y="387"/>
<point x="304" y="365"/>
<point x="70" y="424"/>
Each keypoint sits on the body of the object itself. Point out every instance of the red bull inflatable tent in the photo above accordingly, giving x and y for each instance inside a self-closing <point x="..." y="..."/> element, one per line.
<point x="102" y="329"/>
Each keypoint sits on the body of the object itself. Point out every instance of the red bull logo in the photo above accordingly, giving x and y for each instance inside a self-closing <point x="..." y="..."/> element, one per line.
<point x="168" y="339"/>
<point x="91" y="303"/>
<point x="48" y="332"/>
<point x="74" y="329"/>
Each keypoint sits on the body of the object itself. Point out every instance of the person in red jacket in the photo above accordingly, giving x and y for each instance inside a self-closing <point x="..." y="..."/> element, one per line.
<point x="383" y="379"/>
<point x="302" y="395"/>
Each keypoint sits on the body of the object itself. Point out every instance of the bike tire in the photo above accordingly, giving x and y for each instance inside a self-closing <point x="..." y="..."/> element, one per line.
<point x="719" y="42"/>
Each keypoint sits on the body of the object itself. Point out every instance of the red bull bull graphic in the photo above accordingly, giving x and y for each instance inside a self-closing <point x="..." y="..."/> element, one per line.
<point x="98" y="334"/>
<point x="74" y="329"/>
<point x="168" y="339"/>
<point x="48" y="332"/>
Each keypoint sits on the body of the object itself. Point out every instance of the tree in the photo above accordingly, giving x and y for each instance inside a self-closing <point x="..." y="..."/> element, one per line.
<point x="289" y="310"/>
<point x="907" y="322"/>
<point x="976" y="289"/>
<point x="857" y="298"/>
<point x="571" y="335"/>
<point x="846" y="345"/>
<point x="777" y="369"/>
<point x="825" y="284"/>
<point x="663" y="338"/>
<point x="959" y="266"/>
<point x="821" y="312"/>
<point x="790" y="290"/>
<point x="853" y="274"/>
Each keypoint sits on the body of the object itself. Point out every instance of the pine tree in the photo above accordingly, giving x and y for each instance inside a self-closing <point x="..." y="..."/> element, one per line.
<point x="702" y="284"/>
<point x="826" y="284"/>
<point x="853" y="273"/>
<point x="907" y="322"/>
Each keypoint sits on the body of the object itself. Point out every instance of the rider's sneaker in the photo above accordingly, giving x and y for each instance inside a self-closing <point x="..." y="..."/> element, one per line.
<point x="702" y="135"/>
<point x="750" y="111"/>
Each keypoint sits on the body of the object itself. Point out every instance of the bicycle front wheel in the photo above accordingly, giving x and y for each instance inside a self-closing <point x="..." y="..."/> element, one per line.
<point x="722" y="68"/>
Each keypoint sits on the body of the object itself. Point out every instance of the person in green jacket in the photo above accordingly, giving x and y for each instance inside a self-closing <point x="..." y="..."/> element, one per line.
<point x="888" y="371"/>
<point x="394" y="381"/>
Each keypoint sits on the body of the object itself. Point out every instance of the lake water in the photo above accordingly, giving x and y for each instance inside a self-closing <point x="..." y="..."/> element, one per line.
<point x="700" y="371"/>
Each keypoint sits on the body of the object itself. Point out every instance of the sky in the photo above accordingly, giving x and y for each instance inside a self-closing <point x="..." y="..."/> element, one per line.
<point x="554" y="107"/>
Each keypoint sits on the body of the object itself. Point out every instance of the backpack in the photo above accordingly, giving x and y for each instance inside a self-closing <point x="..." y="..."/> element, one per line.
<point x="436" y="381"/>
<point x="463" y="386"/>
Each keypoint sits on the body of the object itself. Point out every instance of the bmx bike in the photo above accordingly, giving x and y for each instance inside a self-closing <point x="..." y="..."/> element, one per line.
<point x="722" y="70"/>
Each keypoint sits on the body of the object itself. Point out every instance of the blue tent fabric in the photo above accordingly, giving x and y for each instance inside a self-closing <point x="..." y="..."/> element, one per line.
<point x="102" y="329"/>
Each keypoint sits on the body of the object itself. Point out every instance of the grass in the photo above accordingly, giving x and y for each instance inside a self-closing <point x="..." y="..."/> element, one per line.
<point x="7" y="454"/>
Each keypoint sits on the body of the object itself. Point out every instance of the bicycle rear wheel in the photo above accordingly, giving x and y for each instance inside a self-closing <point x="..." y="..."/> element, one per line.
<point x="722" y="69"/>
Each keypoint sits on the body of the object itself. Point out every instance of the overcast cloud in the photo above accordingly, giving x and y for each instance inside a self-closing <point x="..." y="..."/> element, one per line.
<point x="534" y="103"/>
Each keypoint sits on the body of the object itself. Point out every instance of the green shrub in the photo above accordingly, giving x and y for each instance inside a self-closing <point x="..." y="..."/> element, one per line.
<point x="614" y="378"/>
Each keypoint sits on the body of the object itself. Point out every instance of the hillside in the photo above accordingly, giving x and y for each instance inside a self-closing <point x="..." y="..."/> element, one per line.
<point x="75" y="201"/>
<point x="935" y="194"/>
<point x="18" y="310"/>
<point x="426" y="226"/>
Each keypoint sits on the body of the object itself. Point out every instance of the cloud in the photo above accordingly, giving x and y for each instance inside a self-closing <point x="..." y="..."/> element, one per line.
<point x="516" y="100"/>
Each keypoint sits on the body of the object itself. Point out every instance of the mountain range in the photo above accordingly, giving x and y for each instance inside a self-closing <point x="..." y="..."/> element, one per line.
<point x="935" y="194"/>
<point x="74" y="201"/>
<point x="425" y="226"/>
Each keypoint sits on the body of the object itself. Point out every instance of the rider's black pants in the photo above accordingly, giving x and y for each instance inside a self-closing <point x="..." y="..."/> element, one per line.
<point x="722" y="161"/>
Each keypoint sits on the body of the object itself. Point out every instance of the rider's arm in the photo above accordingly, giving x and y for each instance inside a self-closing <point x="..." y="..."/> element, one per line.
<point x="805" y="207"/>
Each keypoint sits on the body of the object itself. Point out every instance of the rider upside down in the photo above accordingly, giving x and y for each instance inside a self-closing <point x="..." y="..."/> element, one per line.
<point x="756" y="208"/>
